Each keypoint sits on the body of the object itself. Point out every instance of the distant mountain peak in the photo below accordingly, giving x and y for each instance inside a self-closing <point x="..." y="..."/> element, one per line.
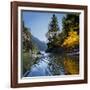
<point x="41" y="45"/>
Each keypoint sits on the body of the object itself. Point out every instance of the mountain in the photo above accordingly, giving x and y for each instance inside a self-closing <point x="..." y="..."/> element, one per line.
<point x="41" y="45"/>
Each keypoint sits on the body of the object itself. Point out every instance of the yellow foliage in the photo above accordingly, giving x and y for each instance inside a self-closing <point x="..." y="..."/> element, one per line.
<point x="71" y="40"/>
<point x="71" y="66"/>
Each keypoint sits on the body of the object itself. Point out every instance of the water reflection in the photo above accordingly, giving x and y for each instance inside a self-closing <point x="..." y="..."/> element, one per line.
<point x="71" y="65"/>
<point x="64" y="64"/>
<point x="55" y="64"/>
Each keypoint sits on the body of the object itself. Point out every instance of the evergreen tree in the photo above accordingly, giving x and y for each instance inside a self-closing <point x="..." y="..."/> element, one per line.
<point x="52" y="32"/>
<point x="71" y="21"/>
<point x="53" y="26"/>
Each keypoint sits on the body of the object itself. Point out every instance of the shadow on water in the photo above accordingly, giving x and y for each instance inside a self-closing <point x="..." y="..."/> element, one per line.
<point x="54" y="64"/>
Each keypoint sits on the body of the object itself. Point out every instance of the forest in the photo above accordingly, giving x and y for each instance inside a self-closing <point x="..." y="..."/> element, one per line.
<point x="68" y="39"/>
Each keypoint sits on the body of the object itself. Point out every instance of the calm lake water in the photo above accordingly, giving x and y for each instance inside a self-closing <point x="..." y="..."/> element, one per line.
<point x="54" y="64"/>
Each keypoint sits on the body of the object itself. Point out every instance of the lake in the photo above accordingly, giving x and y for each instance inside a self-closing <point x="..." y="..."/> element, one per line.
<point x="51" y="64"/>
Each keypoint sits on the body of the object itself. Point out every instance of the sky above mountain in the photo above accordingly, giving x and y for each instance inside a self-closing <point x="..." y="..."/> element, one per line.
<point x="38" y="22"/>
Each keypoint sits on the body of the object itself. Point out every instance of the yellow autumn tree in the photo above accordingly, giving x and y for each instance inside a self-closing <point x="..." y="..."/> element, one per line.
<point x="72" y="40"/>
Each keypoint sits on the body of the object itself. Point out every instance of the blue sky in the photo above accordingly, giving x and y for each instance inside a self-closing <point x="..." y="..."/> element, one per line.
<point x="38" y="22"/>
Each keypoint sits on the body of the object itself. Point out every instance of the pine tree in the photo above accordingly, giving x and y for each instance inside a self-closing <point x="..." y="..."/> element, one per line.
<point x="53" y="30"/>
<point x="53" y="26"/>
<point x="71" y="21"/>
